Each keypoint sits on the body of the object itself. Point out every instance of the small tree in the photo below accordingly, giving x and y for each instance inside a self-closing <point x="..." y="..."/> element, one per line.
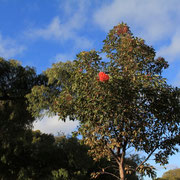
<point x="122" y="103"/>
<point x="173" y="174"/>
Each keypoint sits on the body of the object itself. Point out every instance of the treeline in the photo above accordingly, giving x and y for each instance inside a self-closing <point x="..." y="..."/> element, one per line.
<point x="35" y="155"/>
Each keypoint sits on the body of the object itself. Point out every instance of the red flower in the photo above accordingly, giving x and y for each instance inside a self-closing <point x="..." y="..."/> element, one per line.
<point x="103" y="77"/>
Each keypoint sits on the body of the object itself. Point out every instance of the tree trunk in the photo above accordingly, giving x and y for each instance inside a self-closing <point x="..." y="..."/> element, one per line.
<point x="121" y="170"/>
<point x="120" y="161"/>
<point x="121" y="164"/>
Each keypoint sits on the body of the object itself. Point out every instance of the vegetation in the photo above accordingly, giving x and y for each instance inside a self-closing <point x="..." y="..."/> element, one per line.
<point x="122" y="103"/>
<point x="171" y="175"/>
<point x="27" y="154"/>
<point x="15" y="82"/>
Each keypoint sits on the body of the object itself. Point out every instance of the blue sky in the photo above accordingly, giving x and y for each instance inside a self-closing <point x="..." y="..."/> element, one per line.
<point x="41" y="32"/>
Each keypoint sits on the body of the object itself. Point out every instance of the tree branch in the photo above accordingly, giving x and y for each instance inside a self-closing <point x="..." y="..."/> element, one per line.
<point x="110" y="174"/>
<point x="145" y="159"/>
<point x="112" y="152"/>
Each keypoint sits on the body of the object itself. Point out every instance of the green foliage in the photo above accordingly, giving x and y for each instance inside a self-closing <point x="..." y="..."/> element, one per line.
<point x="171" y="175"/>
<point x="58" y="79"/>
<point x="33" y="156"/>
<point x="136" y="108"/>
<point x="15" y="82"/>
<point x="79" y="164"/>
<point x="60" y="174"/>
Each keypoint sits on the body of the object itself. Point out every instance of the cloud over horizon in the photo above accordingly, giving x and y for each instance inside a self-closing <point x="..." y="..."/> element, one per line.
<point x="52" y="125"/>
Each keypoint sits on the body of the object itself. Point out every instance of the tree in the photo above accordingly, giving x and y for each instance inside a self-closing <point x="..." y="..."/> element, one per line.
<point x="15" y="82"/>
<point x="171" y="175"/>
<point x="122" y="103"/>
<point x="34" y="156"/>
<point x="27" y="154"/>
<point x="40" y="156"/>
<point x="79" y="164"/>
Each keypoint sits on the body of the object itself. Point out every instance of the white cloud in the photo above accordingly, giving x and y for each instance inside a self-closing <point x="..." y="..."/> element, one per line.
<point x="61" y="30"/>
<point x="162" y="169"/>
<point x="9" y="48"/>
<point x="53" y="30"/>
<point x="152" y="19"/>
<point x="70" y="7"/>
<point x="53" y="125"/>
<point x="63" y="57"/>
<point x="176" y="81"/>
<point x="172" y="50"/>
<point x="168" y="167"/>
<point x="83" y="43"/>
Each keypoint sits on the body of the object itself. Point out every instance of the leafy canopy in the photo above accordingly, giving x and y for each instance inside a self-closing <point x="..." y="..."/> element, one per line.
<point x="133" y="108"/>
<point x="173" y="174"/>
<point x="15" y="82"/>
